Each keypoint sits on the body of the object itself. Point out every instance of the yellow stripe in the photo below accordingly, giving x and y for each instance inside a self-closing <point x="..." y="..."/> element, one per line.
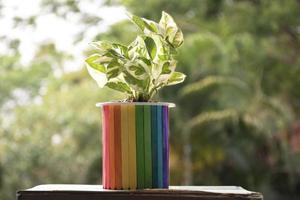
<point x="125" y="147"/>
<point x="132" y="147"/>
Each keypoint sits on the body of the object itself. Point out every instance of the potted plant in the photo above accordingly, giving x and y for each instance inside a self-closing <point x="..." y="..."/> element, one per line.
<point x="135" y="130"/>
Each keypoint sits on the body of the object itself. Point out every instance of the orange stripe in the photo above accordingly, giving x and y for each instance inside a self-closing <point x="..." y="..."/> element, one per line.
<point x="125" y="148"/>
<point x="111" y="148"/>
<point x="118" y="155"/>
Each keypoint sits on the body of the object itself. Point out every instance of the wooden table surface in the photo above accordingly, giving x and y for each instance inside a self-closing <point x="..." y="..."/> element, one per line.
<point x="96" y="192"/>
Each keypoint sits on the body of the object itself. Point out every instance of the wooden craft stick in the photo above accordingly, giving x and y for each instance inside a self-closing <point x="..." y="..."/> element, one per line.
<point x="111" y="148"/>
<point x="140" y="146"/>
<point x="118" y="155"/>
<point x="154" y="146"/>
<point x="147" y="147"/>
<point x="125" y="147"/>
<point x="104" y="146"/>
<point x="165" y="146"/>
<point x="159" y="147"/>
<point x="132" y="147"/>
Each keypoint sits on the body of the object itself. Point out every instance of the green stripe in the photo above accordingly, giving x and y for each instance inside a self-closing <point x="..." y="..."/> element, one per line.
<point x="159" y="147"/>
<point x="140" y="146"/>
<point x="147" y="139"/>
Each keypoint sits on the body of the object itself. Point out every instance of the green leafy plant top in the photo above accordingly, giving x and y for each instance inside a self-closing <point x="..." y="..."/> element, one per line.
<point x="144" y="66"/>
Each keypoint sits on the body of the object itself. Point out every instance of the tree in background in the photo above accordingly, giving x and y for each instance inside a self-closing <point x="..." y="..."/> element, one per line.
<point x="242" y="94"/>
<point x="236" y="117"/>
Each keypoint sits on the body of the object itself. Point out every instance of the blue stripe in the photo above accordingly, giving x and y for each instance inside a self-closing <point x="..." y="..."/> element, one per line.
<point x="154" y="146"/>
<point x="159" y="147"/>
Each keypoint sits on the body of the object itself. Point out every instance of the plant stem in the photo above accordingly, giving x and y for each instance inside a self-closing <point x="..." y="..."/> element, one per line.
<point x="154" y="90"/>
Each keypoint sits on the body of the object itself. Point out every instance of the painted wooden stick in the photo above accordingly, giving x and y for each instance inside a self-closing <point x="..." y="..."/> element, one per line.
<point x="125" y="147"/>
<point x="165" y="147"/>
<point x="111" y="147"/>
<point x="154" y="146"/>
<point x="147" y="147"/>
<point x="117" y="139"/>
<point x="159" y="147"/>
<point x="135" y="146"/>
<point x="140" y="146"/>
<point x="104" y="147"/>
<point x="132" y="147"/>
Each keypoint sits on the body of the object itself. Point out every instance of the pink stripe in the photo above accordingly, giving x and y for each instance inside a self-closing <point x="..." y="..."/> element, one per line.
<point x="106" y="151"/>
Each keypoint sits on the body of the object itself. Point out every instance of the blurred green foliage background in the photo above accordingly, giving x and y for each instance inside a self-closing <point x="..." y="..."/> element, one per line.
<point x="237" y="120"/>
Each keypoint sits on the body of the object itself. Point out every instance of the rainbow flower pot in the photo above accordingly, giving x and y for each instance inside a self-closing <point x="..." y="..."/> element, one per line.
<point x="135" y="145"/>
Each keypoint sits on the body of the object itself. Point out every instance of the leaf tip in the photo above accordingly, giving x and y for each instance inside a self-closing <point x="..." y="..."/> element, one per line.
<point x="129" y="14"/>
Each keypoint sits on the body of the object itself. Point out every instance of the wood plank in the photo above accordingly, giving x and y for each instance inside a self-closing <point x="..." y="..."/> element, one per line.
<point x="96" y="192"/>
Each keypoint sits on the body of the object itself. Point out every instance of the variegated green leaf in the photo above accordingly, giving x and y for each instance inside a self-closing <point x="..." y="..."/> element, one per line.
<point x="102" y="46"/>
<point x="137" y="48"/>
<point x="151" y="47"/>
<point x="119" y="86"/>
<point x="166" y="20"/>
<point x="144" y="63"/>
<point x="139" y="69"/>
<point x="138" y="21"/>
<point x="167" y="70"/>
<point x="96" y="70"/>
<point x="113" y="69"/>
<point x="171" y="32"/>
<point x="150" y="26"/>
<point x="137" y="84"/>
<point x="163" y="50"/>
<point x="178" y="38"/>
<point x="93" y="62"/>
<point x="143" y="67"/>
<point x="120" y="49"/>
<point x="112" y="53"/>
<point x="154" y="26"/>
<point x="144" y="24"/>
<point x="175" y="78"/>
<point x="98" y="76"/>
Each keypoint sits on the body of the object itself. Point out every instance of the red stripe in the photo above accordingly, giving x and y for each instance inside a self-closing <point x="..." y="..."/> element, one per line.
<point x="103" y="151"/>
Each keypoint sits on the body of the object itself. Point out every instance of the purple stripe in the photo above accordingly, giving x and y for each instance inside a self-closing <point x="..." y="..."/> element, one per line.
<point x="165" y="147"/>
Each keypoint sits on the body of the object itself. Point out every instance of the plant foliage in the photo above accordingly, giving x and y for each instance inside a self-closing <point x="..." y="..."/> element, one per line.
<point x="143" y="67"/>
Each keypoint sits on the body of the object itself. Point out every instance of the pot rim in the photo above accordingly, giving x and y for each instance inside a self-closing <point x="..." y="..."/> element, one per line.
<point x="170" y="105"/>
